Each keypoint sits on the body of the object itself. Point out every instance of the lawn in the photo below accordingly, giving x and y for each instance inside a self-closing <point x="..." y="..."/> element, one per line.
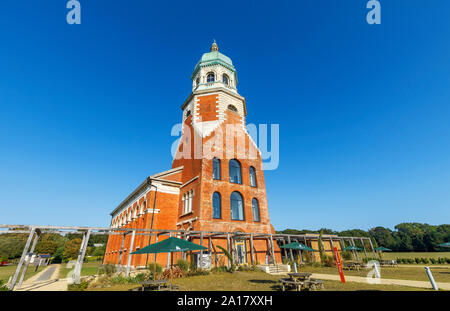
<point x="88" y="268"/>
<point x="440" y="274"/>
<point x="254" y="281"/>
<point x="8" y="271"/>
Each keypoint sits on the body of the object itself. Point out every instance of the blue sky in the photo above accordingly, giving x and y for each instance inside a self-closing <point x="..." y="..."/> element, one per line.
<point x="364" y="110"/>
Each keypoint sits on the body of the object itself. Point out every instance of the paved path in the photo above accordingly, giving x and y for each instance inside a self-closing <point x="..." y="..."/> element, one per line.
<point x="46" y="280"/>
<point x="360" y="279"/>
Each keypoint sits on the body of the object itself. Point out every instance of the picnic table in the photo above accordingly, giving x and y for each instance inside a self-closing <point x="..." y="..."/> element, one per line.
<point x="352" y="266"/>
<point x="162" y="284"/>
<point x="390" y="263"/>
<point x="299" y="280"/>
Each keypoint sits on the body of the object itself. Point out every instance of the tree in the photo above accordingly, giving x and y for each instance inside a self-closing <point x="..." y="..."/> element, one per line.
<point x="71" y="249"/>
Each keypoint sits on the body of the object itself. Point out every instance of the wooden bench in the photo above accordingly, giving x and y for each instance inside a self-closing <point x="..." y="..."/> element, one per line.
<point x="291" y="283"/>
<point x="313" y="284"/>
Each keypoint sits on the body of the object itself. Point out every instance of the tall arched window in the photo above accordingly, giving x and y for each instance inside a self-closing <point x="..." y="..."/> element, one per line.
<point x="252" y="176"/>
<point x="217" y="213"/>
<point x="210" y="77"/>
<point x="216" y="168"/>
<point x="237" y="206"/>
<point x="255" y="208"/>
<point x="225" y="79"/>
<point x="235" y="171"/>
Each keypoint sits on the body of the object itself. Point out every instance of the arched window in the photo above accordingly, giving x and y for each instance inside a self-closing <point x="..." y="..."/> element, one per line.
<point x="135" y="211"/>
<point x="188" y="113"/>
<point x="237" y="206"/>
<point x="232" y="108"/>
<point x="255" y="208"/>
<point x="210" y="77"/>
<point x="252" y="176"/>
<point x="216" y="168"/>
<point x="197" y="82"/>
<point x="217" y="205"/>
<point x="225" y="79"/>
<point x="235" y="171"/>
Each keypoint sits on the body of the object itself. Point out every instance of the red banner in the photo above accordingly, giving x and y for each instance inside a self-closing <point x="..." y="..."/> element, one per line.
<point x="338" y="264"/>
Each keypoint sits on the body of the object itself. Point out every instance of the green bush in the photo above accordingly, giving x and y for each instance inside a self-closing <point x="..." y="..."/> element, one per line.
<point x="197" y="272"/>
<point x="248" y="268"/>
<point x="425" y="260"/>
<point x="78" y="287"/>
<point x="183" y="264"/>
<point x="3" y="286"/>
<point x="107" y="269"/>
<point x="346" y="255"/>
<point x="219" y="269"/>
<point x="158" y="267"/>
<point x="410" y="260"/>
<point x="433" y="261"/>
<point x="442" y="260"/>
<point x="447" y="260"/>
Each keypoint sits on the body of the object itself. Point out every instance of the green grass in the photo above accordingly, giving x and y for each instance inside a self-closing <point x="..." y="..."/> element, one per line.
<point x="88" y="268"/>
<point x="254" y="281"/>
<point x="8" y="271"/>
<point x="401" y="273"/>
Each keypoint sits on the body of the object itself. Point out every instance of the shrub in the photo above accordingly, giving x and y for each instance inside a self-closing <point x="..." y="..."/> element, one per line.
<point x="183" y="264"/>
<point x="433" y="261"/>
<point x="152" y="267"/>
<point x="78" y="287"/>
<point x="247" y="268"/>
<point x="442" y="260"/>
<point x="176" y="273"/>
<point x="399" y="260"/>
<point x="328" y="261"/>
<point x="346" y="255"/>
<point x="447" y="260"/>
<point x="219" y="269"/>
<point x="107" y="269"/>
<point x="3" y="287"/>
<point x="230" y="258"/>
<point x="425" y="260"/>
<point x="198" y="272"/>
<point x="417" y="260"/>
<point x="410" y="260"/>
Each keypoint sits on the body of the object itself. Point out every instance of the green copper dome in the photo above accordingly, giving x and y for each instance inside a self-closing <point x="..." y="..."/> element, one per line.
<point x="214" y="57"/>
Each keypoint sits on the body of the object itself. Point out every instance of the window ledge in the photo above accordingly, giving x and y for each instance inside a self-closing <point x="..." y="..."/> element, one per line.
<point x="188" y="213"/>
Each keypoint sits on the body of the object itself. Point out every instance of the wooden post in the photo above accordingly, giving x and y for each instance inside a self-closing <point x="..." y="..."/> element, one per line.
<point x="251" y="249"/>
<point x="364" y="247"/>
<point x="201" y="251"/>
<point x="169" y="255"/>
<point x="22" y="258"/>
<point x="80" y="259"/>
<point x="354" y="252"/>
<point x="373" y="249"/>
<point x="290" y="250"/>
<point x="154" y="256"/>
<point x="272" y="249"/>
<point x="36" y="238"/>
<point x="129" y="253"/>
<point x="228" y="249"/>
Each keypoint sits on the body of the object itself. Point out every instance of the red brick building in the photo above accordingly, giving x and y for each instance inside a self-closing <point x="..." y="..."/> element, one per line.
<point x="216" y="183"/>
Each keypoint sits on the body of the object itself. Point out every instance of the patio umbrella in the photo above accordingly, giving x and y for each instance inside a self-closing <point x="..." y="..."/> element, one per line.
<point x="447" y="244"/>
<point x="169" y="245"/>
<point x="299" y="246"/>
<point x="382" y="249"/>
<point x="351" y="248"/>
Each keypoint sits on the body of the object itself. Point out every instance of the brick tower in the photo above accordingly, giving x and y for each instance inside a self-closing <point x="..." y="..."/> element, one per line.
<point x="216" y="185"/>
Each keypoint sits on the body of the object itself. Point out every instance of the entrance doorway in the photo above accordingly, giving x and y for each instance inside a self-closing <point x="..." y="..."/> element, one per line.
<point x="241" y="252"/>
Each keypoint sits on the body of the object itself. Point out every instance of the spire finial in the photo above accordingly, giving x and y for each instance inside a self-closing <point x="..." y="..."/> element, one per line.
<point x="214" y="46"/>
